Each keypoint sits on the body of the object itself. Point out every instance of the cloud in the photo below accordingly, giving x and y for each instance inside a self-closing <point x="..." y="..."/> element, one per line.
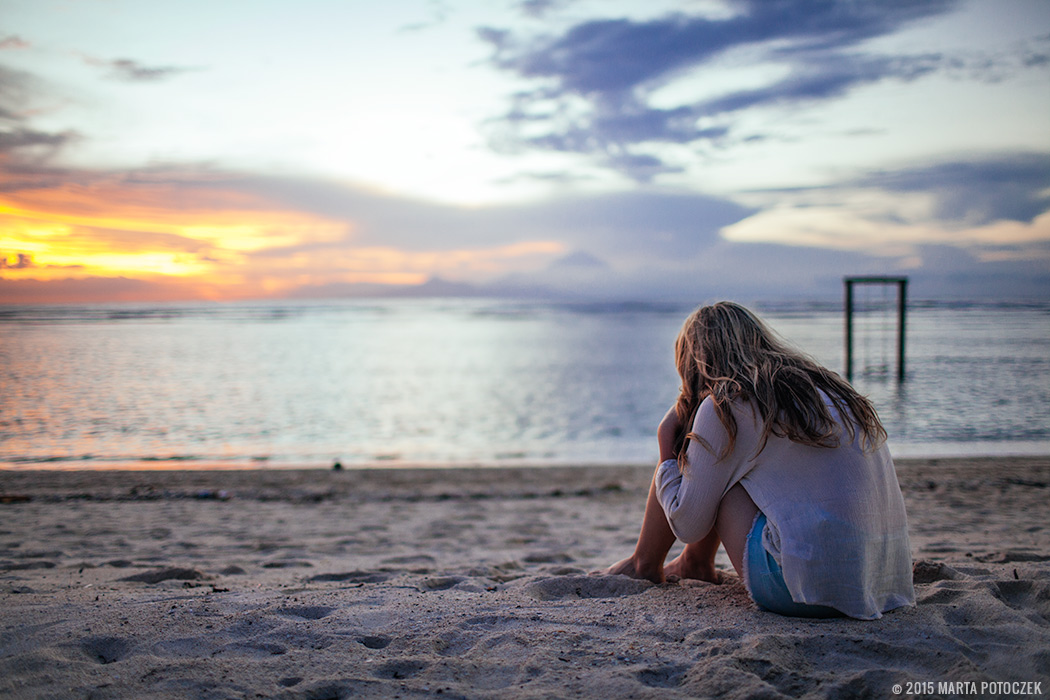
<point x="259" y="235"/>
<point x="1013" y="187"/>
<point x="13" y="42"/>
<point x="594" y="83"/>
<point x="21" y="138"/>
<point x="578" y="260"/>
<point x="438" y="11"/>
<point x="615" y="122"/>
<point x="94" y="289"/>
<point x="974" y="203"/>
<point x="952" y="272"/>
<point x="634" y="226"/>
<point x="128" y="70"/>
<point x="978" y="227"/>
<point x="1037" y="54"/>
<point x="541" y="8"/>
<point x="21" y="145"/>
<point x="618" y="55"/>
<point x="721" y="269"/>
<point x="642" y="222"/>
<point x="19" y="261"/>
<point x="820" y="80"/>
<point x="15" y="89"/>
<point x="235" y="235"/>
<point x="102" y="239"/>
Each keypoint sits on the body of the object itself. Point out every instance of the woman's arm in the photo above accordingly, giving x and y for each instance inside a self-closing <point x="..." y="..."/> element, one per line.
<point x="690" y="497"/>
<point x="667" y="433"/>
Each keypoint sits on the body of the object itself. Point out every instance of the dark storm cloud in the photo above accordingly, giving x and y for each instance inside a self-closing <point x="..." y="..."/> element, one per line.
<point x="612" y="64"/>
<point x="1013" y="187"/>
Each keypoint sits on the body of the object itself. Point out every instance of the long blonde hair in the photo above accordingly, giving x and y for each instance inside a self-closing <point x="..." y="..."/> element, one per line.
<point x="726" y="352"/>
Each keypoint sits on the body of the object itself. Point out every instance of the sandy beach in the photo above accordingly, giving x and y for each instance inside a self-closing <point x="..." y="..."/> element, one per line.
<point x="472" y="583"/>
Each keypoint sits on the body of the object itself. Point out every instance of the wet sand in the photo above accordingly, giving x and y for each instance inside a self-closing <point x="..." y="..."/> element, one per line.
<point x="473" y="583"/>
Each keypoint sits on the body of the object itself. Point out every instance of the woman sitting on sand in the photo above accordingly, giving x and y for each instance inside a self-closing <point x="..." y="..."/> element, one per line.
<point x="784" y="463"/>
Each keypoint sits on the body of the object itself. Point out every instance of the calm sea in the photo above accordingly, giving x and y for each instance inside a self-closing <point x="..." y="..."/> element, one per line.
<point x="453" y="382"/>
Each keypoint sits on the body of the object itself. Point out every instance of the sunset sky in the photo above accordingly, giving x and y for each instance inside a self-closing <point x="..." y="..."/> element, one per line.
<point x="162" y="150"/>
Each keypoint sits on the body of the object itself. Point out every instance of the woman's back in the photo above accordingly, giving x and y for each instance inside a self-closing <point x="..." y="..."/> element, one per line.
<point x="836" y="521"/>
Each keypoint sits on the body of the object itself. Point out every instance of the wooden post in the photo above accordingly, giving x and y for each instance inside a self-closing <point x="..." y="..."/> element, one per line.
<point x="902" y="303"/>
<point x="849" y="329"/>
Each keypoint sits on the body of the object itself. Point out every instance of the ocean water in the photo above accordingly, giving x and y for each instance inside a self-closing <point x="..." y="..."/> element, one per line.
<point x="466" y="381"/>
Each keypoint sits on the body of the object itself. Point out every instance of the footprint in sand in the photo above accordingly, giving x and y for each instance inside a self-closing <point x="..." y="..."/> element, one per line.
<point x="400" y="668"/>
<point x="927" y="572"/>
<point x="375" y="641"/>
<point x="441" y="583"/>
<point x="106" y="650"/>
<point x="662" y="676"/>
<point x="941" y="596"/>
<point x="309" y="612"/>
<point x="1025" y="595"/>
<point x="574" y="587"/>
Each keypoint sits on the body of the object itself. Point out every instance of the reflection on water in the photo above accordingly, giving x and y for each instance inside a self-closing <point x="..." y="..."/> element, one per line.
<point x="458" y="381"/>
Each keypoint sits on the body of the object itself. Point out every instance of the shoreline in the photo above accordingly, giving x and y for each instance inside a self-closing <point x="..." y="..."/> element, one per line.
<point x="559" y="475"/>
<point x="1032" y="451"/>
<point x="473" y="583"/>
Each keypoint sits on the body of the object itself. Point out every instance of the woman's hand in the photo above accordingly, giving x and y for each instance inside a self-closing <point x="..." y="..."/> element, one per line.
<point x="666" y="434"/>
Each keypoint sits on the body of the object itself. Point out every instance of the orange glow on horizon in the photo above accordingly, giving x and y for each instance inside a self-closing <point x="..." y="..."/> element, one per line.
<point x="175" y="242"/>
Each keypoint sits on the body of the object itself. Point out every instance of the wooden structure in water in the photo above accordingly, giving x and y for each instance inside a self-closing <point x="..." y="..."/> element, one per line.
<point x="902" y="303"/>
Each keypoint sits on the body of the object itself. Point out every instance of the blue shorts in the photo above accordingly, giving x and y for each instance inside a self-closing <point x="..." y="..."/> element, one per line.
<point x="765" y="579"/>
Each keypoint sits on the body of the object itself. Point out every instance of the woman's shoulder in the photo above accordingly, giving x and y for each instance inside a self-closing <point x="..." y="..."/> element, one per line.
<point x="741" y="408"/>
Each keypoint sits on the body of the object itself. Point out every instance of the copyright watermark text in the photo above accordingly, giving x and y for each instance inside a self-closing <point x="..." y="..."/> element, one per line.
<point x="968" y="688"/>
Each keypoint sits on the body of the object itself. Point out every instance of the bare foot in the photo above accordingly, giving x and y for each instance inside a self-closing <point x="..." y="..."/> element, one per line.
<point x="628" y="567"/>
<point x="680" y="568"/>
